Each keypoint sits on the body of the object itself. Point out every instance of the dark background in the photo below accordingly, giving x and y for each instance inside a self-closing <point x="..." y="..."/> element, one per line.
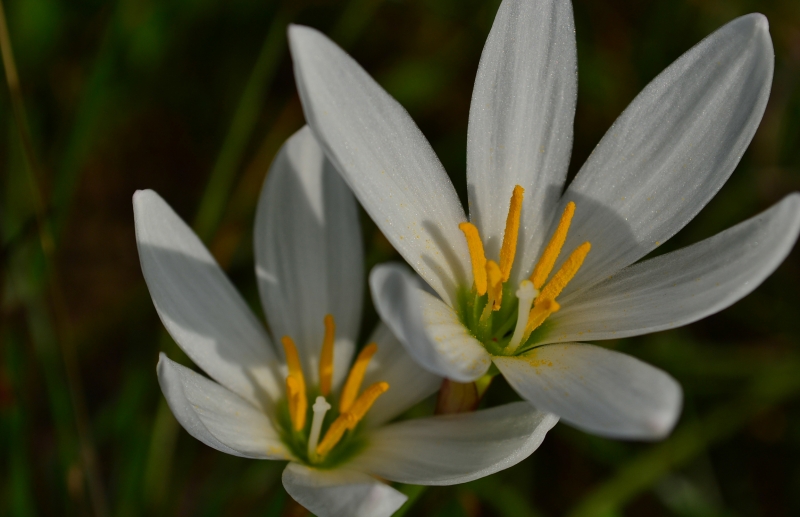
<point x="192" y="98"/>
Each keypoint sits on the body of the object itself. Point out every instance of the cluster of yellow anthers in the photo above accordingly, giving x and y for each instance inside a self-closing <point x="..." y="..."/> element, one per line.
<point x="351" y="408"/>
<point x="490" y="276"/>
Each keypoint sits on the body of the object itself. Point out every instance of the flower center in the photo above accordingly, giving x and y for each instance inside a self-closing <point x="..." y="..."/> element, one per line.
<point x="483" y="310"/>
<point x="339" y="425"/>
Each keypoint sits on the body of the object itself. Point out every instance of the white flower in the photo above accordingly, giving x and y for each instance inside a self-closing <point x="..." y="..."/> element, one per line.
<point x="309" y="265"/>
<point x="659" y="164"/>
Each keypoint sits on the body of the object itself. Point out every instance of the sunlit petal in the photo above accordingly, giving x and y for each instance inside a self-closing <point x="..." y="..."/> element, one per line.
<point x="199" y="306"/>
<point x="384" y="158"/>
<point x="671" y="150"/>
<point x="520" y="122"/>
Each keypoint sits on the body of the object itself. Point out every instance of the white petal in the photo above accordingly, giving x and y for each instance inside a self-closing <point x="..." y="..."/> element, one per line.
<point x="430" y="330"/>
<point x="199" y="306"/>
<point x="340" y="492"/>
<point x="450" y="449"/>
<point x="683" y="286"/>
<point x="597" y="390"/>
<point x="671" y="150"/>
<point x="384" y="158"/>
<point x="408" y="382"/>
<point x="520" y="122"/>
<point x="309" y="256"/>
<point x="216" y="416"/>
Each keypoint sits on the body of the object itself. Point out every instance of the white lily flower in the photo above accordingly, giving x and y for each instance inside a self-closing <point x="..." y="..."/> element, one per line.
<point x="524" y="308"/>
<point x="301" y="404"/>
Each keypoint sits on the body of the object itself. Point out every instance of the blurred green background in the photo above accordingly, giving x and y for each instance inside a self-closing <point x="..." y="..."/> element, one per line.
<point x="192" y="98"/>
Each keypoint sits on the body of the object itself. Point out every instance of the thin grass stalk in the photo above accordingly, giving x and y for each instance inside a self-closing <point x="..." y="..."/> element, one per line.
<point x="217" y="191"/>
<point x="57" y="302"/>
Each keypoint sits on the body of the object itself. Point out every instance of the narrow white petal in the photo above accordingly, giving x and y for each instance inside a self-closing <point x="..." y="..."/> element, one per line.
<point x="199" y="306"/>
<point x="520" y="122"/>
<point x="450" y="449"/>
<point x="384" y="158"/>
<point x="430" y="330"/>
<point x="671" y="150"/>
<point x="216" y="416"/>
<point x="340" y="492"/>
<point x="683" y="286"/>
<point x="597" y="390"/>
<point x="309" y="256"/>
<point x="408" y="382"/>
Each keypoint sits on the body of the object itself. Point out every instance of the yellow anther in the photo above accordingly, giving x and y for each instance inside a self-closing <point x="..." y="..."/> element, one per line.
<point x="494" y="278"/>
<point x="349" y="419"/>
<point x="539" y="313"/>
<point x="334" y="433"/>
<point x="551" y="252"/>
<point x="356" y="377"/>
<point x="326" y="357"/>
<point x="293" y="360"/>
<point x="365" y="401"/>
<point x="565" y="274"/>
<point x="295" y="385"/>
<point x="509" y="248"/>
<point x="477" y="256"/>
<point x="298" y="404"/>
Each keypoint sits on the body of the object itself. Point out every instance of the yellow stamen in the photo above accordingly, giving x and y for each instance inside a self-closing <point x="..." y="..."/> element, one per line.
<point x="509" y="248"/>
<point x="495" y="288"/>
<point x="293" y="360"/>
<point x="334" y="433"/>
<point x="298" y="404"/>
<point x="551" y="252"/>
<point x="295" y="385"/>
<point x="355" y="377"/>
<point x="565" y="274"/>
<point x="477" y="256"/>
<point x="326" y="357"/>
<point x="539" y="313"/>
<point x="349" y="419"/>
<point x="365" y="401"/>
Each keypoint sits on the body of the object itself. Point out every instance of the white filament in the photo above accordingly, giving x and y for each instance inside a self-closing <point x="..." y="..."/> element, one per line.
<point x="526" y="294"/>
<point x="320" y="407"/>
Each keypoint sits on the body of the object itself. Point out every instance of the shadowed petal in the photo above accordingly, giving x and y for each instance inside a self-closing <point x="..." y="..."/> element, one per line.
<point x="340" y="492"/>
<point x="408" y="382"/>
<point x="199" y="306"/>
<point x="450" y="449"/>
<point x="683" y="286"/>
<point x="597" y="390"/>
<point x="218" y="417"/>
<point x="309" y="256"/>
